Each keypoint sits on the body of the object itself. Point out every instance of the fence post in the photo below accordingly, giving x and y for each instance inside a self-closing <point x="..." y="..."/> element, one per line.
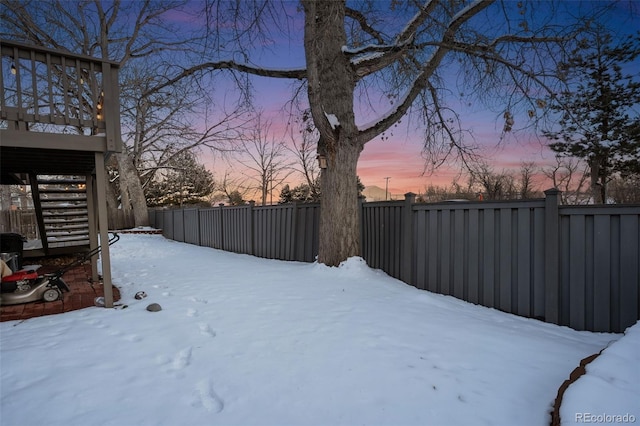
<point x="250" y="227"/>
<point x="361" y="200"/>
<point x="220" y="223"/>
<point x="198" y="227"/>
<point x="552" y="256"/>
<point x="293" y="254"/>
<point x="406" y="239"/>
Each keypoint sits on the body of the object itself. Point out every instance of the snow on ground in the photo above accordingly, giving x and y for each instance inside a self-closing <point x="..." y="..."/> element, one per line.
<point x="248" y="341"/>
<point x="609" y="392"/>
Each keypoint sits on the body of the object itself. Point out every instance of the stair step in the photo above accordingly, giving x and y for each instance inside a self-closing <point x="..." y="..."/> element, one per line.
<point x="61" y="199"/>
<point x="49" y="206"/>
<point x="61" y="181"/>
<point x="69" y="233"/>
<point x="51" y="220"/>
<point x="64" y="239"/>
<point x="68" y="211"/>
<point x="60" y="244"/>
<point x="64" y="225"/>
<point x="62" y="191"/>
<point x="49" y="214"/>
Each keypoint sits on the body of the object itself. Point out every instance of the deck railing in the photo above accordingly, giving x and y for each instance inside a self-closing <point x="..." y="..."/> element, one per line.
<point x="45" y="90"/>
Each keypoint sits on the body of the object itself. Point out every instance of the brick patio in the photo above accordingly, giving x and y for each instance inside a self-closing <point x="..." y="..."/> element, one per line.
<point x="82" y="295"/>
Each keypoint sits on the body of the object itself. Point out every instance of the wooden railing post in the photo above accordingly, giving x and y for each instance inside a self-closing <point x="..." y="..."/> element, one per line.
<point x="552" y="256"/>
<point x="407" y="239"/>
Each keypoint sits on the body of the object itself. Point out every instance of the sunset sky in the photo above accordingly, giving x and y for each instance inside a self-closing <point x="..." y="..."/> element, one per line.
<point x="399" y="157"/>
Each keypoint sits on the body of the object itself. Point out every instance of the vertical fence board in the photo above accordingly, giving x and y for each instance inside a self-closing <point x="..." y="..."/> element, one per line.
<point x="458" y="252"/>
<point x="577" y="272"/>
<point x="167" y="230"/>
<point x="488" y="258"/>
<point x="505" y="262"/>
<point x="445" y="252"/>
<point x="565" y="246"/>
<point x="433" y="281"/>
<point x="473" y="253"/>
<point x="178" y="225"/>
<point x="523" y="272"/>
<point x="601" y="264"/>
<point x="629" y="270"/>
<point x="191" y="226"/>
<point x="537" y="267"/>
<point x="420" y="249"/>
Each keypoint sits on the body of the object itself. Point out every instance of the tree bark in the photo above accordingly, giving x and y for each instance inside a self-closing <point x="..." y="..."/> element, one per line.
<point x="331" y="86"/>
<point x="130" y="185"/>
<point x="339" y="215"/>
<point x="112" y="205"/>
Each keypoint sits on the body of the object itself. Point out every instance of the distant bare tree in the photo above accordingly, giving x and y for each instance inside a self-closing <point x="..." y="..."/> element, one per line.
<point x="625" y="190"/>
<point x="525" y="180"/>
<point x="265" y="159"/>
<point x="229" y="187"/>
<point x="570" y="176"/>
<point x="304" y="150"/>
<point x="157" y="124"/>
<point x="494" y="185"/>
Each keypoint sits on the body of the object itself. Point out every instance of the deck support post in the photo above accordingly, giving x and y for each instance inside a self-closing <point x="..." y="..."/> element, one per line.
<point x="103" y="225"/>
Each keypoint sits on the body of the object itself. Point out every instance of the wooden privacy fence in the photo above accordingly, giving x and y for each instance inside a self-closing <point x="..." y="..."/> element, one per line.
<point x="21" y="222"/>
<point x="568" y="265"/>
<point x="285" y="232"/>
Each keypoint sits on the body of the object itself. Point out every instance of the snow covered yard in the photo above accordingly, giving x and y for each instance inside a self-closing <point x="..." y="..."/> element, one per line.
<point x="249" y="341"/>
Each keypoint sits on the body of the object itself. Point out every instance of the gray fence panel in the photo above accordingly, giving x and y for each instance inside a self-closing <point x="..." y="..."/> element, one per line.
<point x="152" y="218"/>
<point x="488" y="257"/>
<point x="600" y="276"/>
<point x="538" y="281"/>
<point x="178" y="225"/>
<point x="483" y="253"/>
<point x="307" y="232"/>
<point x="191" y="226"/>
<point x="381" y="239"/>
<point x="472" y="277"/>
<point x="629" y="270"/>
<point x="211" y="228"/>
<point x="273" y="226"/>
<point x="158" y="219"/>
<point x="236" y="229"/>
<point x="167" y="229"/>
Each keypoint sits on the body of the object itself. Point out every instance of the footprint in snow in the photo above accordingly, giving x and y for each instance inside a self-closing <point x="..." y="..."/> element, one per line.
<point x="197" y="299"/>
<point x="96" y="323"/>
<point x="132" y="338"/>
<point x="192" y="312"/>
<point x="182" y="359"/>
<point x="208" y="397"/>
<point x="206" y="330"/>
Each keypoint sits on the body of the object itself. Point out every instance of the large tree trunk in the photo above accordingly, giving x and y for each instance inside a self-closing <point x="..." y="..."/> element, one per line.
<point x="111" y="194"/>
<point x="132" y="195"/>
<point x="598" y="181"/>
<point x="339" y="215"/>
<point x="331" y="85"/>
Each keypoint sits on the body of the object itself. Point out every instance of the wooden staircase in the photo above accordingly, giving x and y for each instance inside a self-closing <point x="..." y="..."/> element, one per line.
<point x="64" y="223"/>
